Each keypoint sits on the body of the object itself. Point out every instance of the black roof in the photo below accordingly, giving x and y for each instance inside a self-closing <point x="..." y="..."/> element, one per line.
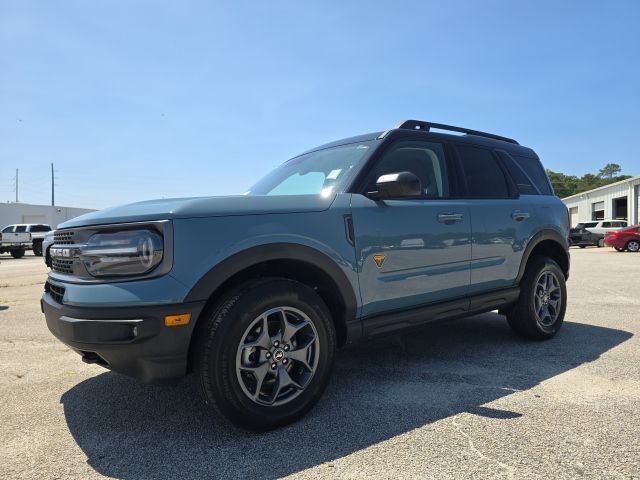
<point x="420" y="128"/>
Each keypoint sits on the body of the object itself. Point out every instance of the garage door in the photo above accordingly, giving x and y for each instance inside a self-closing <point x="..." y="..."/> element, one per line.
<point x="573" y="212"/>
<point x="34" y="219"/>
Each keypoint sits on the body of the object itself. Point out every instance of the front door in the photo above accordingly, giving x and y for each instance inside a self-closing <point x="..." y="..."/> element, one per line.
<point x="415" y="251"/>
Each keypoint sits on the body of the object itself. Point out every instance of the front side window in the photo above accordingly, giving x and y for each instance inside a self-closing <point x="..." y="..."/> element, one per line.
<point x="484" y="176"/>
<point x="8" y="229"/>
<point x="323" y="172"/>
<point x="425" y="160"/>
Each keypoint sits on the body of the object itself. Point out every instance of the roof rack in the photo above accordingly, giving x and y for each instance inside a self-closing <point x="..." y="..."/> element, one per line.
<point x="426" y="126"/>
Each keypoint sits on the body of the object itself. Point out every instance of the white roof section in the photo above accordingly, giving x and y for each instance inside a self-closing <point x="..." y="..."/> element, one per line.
<point x="621" y="182"/>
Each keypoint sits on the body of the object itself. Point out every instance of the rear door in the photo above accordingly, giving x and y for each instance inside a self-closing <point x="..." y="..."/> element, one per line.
<point x="501" y="219"/>
<point x="412" y="251"/>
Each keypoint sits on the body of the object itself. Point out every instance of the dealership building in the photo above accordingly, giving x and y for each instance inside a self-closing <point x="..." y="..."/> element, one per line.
<point x="11" y="213"/>
<point x="618" y="201"/>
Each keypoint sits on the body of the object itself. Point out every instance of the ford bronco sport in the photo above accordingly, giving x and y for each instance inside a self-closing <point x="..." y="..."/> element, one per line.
<point x="359" y="237"/>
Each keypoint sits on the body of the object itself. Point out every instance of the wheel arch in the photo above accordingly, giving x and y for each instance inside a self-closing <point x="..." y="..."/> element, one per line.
<point x="287" y="260"/>
<point x="551" y="244"/>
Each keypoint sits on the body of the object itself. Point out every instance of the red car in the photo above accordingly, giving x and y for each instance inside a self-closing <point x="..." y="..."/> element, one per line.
<point x="625" y="239"/>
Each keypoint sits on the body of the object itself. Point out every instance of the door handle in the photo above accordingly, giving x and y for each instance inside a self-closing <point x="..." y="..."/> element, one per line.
<point x="519" y="216"/>
<point x="449" y="217"/>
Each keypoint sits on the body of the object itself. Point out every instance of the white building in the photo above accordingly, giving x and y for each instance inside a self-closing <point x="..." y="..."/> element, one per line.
<point x="618" y="200"/>
<point x="11" y="213"/>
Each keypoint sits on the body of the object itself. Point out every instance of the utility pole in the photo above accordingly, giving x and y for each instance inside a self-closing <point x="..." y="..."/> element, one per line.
<point x="16" y="185"/>
<point x="53" y="188"/>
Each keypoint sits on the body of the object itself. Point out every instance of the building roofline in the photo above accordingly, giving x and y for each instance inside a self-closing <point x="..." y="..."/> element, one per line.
<point x="628" y="180"/>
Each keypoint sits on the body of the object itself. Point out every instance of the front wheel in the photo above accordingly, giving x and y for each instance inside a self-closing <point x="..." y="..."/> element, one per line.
<point x="17" y="253"/>
<point x="633" y="246"/>
<point x="264" y="353"/>
<point x="601" y="243"/>
<point x="539" y="312"/>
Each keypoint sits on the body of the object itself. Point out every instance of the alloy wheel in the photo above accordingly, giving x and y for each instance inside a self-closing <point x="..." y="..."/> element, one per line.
<point x="277" y="356"/>
<point x="547" y="301"/>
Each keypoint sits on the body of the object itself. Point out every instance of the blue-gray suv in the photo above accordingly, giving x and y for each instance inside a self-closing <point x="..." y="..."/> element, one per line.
<point x="359" y="237"/>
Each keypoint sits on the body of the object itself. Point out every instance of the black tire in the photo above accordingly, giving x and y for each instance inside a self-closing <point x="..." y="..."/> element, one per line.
<point x="37" y="249"/>
<point x="222" y="333"/>
<point x="601" y="243"/>
<point x="582" y="246"/>
<point x="522" y="316"/>
<point x="17" y="253"/>
<point x="619" y="249"/>
<point x="632" y="246"/>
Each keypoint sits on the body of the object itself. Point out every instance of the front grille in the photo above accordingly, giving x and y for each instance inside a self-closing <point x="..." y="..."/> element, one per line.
<point x="61" y="266"/>
<point x="56" y="292"/>
<point x="63" y="237"/>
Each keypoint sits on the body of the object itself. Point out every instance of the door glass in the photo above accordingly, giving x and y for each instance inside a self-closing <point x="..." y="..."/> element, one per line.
<point x="485" y="178"/>
<point x="425" y="160"/>
<point x="21" y="228"/>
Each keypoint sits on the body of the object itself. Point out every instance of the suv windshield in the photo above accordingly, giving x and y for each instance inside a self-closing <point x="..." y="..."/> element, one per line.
<point x="322" y="172"/>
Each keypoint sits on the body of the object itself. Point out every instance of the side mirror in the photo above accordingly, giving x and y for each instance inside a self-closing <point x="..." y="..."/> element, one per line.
<point x="396" y="185"/>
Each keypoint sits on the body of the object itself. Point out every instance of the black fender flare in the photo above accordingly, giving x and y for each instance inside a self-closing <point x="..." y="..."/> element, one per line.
<point x="538" y="238"/>
<point x="216" y="276"/>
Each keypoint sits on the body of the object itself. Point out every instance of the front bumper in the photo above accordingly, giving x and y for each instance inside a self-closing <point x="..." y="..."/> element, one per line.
<point x="130" y="340"/>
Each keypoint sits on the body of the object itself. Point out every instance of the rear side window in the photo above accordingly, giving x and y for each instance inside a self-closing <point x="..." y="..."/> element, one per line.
<point x="484" y="176"/>
<point x="21" y="228"/>
<point x="40" y="228"/>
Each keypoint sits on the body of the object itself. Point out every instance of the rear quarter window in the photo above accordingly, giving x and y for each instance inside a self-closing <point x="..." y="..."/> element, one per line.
<point x="527" y="170"/>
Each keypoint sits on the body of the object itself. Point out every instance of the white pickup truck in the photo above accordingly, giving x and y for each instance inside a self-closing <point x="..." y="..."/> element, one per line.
<point x="17" y="239"/>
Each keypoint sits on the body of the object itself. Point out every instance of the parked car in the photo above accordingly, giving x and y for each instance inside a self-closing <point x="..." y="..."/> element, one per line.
<point x="359" y="237"/>
<point x="625" y="239"/>
<point x="592" y="233"/>
<point x="17" y="239"/>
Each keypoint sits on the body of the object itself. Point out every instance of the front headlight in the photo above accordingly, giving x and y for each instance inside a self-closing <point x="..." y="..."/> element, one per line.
<point x="128" y="252"/>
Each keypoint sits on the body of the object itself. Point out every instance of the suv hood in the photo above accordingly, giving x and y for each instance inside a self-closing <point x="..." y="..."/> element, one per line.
<point x="167" y="209"/>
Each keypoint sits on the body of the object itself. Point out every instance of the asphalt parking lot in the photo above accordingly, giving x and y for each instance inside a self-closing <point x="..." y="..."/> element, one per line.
<point x="458" y="400"/>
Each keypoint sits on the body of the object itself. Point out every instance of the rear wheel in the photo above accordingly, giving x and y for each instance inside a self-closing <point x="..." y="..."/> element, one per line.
<point x="582" y="246"/>
<point x="633" y="245"/>
<point x="17" y="253"/>
<point x="265" y="353"/>
<point x="37" y="248"/>
<point x="601" y="243"/>
<point x="539" y="312"/>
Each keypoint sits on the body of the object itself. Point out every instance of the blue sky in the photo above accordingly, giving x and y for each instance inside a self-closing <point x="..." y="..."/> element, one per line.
<point x="135" y="100"/>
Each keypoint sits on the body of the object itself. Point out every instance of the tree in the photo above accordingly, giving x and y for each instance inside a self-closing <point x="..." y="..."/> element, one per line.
<point x="567" y="185"/>
<point x="609" y="171"/>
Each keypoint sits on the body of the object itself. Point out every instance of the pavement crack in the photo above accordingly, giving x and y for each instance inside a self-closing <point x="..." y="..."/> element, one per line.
<point x="511" y="471"/>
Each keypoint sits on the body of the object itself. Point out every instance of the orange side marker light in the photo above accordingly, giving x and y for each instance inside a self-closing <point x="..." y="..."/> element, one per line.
<point x="177" y="320"/>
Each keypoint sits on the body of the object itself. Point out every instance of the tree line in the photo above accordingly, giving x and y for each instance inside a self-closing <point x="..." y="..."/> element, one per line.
<point x="567" y="185"/>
